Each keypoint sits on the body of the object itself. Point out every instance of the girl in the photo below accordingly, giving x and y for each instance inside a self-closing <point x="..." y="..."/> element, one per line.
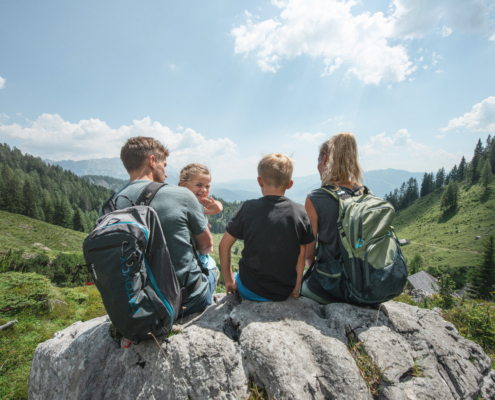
<point x="197" y="179"/>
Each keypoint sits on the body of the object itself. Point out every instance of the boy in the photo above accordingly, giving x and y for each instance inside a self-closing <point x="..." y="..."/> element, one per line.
<point x="275" y="231"/>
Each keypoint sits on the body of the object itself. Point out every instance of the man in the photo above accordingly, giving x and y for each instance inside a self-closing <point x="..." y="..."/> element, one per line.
<point x="181" y="215"/>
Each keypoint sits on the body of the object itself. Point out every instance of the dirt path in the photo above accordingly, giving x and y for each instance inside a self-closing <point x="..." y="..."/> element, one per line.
<point x="443" y="248"/>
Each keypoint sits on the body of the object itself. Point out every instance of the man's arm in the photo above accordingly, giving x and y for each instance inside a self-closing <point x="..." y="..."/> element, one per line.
<point x="226" y="263"/>
<point x="204" y="241"/>
<point x="299" y="270"/>
<point x="313" y="218"/>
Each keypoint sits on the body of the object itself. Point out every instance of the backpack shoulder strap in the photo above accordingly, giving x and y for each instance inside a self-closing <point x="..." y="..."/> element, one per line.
<point x="148" y="193"/>
<point x="108" y="206"/>
<point x="336" y="193"/>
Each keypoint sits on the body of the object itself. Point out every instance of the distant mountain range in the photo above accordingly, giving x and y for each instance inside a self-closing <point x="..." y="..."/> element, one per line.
<point x="380" y="181"/>
<point x="111" y="167"/>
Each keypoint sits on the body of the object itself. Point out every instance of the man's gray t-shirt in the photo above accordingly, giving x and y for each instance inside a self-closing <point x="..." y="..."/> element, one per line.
<point x="181" y="215"/>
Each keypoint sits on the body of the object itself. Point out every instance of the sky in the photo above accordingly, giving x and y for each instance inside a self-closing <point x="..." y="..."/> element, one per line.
<point x="222" y="83"/>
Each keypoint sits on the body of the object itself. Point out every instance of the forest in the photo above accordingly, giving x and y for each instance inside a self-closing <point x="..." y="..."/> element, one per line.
<point x="478" y="170"/>
<point x="46" y="192"/>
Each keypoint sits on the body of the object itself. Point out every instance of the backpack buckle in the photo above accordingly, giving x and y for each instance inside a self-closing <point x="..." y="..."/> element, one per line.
<point x="360" y="243"/>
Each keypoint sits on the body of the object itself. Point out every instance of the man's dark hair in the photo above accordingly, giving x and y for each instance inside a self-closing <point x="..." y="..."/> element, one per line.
<point x="137" y="150"/>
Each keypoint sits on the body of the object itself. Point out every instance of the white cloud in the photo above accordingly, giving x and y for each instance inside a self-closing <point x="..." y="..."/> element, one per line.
<point x="417" y="18"/>
<point x="439" y="71"/>
<point x="492" y="38"/>
<point x="326" y="29"/>
<point x="481" y="118"/>
<point x="4" y="116"/>
<point x="361" y="43"/>
<point x="401" y="151"/>
<point x="52" y="137"/>
<point x="309" y="137"/>
<point x="446" y="31"/>
<point x="2" y="82"/>
<point x="172" y="66"/>
<point x="440" y="136"/>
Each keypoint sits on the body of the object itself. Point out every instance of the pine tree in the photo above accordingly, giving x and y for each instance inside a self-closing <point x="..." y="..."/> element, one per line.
<point x="483" y="278"/>
<point x="446" y="287"/>
<point x="492" y="154"/>
<point x="29" y="199"/>
<point x="468" y="173"/>
<point x="478" y="155"/>
<point x="424" y="185"/>
<point x="461" y="169"/>
<point x="454" y="175"/>
<point x="416" y="264"/>
<point x="12" y="198"/>
<point x="62" y="215"/>
<point x="450" y="197"/>
<point x="78" y="221"/>
<point x="440" y="179"/>
<point x="486" y="173"/>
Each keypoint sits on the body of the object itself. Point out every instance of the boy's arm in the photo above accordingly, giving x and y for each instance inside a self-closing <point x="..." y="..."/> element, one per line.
<point x="299" y="270"/>
<point x="313" y="218"/>
<point x="225" y="262"/>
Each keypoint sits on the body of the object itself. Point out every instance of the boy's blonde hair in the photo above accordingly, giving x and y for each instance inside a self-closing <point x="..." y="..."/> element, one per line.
<point x="276" y="170"/>
<point x="192" y="170"/>
<point x="342" y="166"/>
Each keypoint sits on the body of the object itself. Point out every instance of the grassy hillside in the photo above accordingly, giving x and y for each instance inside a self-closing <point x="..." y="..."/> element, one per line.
<point x="41" y="309"/>
<point x="20" y="232"/>
<point x="448" y="238"/>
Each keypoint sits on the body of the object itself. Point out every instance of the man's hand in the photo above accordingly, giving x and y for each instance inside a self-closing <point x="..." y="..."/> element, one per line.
<point x="212" y="206"/>
<point x="231" y="287"/>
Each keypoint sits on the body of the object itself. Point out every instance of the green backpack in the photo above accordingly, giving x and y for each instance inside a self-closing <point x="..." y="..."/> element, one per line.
<point x="372" y="268"/>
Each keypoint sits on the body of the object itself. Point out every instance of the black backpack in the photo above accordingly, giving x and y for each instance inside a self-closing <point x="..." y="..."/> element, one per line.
<point x="128" y="258"/>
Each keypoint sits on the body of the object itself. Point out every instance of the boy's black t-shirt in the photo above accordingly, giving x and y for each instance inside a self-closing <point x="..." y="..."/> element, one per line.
<point x="273" y="228"/>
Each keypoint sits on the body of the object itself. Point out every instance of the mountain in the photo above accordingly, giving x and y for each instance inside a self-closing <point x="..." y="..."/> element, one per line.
<point x="108" y="182"/>
<point x="111" y="167"/>
<point x="380" y="181"/>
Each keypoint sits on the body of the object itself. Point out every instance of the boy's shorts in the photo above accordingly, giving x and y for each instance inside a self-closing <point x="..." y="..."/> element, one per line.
<point x="245" y="293"/>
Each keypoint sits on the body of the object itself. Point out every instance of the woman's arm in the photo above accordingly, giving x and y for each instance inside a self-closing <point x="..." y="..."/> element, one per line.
<point x="313" y="218"/>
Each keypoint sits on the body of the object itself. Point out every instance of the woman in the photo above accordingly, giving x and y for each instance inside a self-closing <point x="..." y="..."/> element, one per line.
<point x="338" y="167"/>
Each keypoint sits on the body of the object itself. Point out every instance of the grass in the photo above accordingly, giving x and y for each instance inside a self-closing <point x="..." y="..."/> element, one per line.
<point x="255" y="392"/>
<point x="448" y="238"/>
<point x="20" y="232"/>
<point x="237" y="248"/>
<point x="41" y="310"/>
<point x="369" y="370"/>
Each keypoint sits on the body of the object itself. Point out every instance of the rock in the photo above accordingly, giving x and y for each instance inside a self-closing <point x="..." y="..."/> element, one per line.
<point x="419" y="295"/>
<point x="296" y="349"/>
<point x="477" y="238"/>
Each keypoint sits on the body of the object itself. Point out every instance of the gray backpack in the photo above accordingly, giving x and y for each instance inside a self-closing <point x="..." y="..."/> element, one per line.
<point x="127" y="256"/>
<point x="371" y="268"/>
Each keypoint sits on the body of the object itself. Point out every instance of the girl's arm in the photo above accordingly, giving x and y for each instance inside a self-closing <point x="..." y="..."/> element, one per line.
<point x="313" y="218"/>
<point x="225" y="262"/>
<point x="300" y="271"/>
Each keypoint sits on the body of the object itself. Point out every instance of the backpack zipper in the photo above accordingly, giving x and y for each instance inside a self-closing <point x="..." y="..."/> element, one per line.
<point x="354" y="220"/>
<point x="366" y="264"/>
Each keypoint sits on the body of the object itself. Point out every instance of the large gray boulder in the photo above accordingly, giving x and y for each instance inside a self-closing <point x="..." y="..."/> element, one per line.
<point x="296" y="349"/>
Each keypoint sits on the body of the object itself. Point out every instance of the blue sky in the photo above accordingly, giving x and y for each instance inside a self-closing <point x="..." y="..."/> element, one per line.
<point x="222" y="82"/>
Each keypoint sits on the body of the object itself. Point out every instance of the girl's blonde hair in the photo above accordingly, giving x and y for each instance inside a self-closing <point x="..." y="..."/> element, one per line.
<point x="342" y="166"/>
<point x="191" y="170"/>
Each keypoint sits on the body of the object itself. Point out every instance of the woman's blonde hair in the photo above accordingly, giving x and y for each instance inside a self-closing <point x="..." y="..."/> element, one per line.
<point x="342" y="166"/>
<point x="192" y="170"/>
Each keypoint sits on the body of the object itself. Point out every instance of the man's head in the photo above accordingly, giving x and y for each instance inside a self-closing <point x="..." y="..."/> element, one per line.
<point x="275" y="170"/>
<point x="144" y="156"/>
